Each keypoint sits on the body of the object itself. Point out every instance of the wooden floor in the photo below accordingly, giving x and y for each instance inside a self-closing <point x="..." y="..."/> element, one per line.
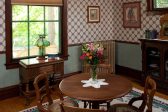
<point x="18" y="103"/>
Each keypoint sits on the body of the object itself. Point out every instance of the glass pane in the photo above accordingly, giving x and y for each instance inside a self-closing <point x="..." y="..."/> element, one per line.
<point x="36" y="13"/>
<point x="53" y="35"/>
<point x="19" y="40"/>
<point x="52" y="13"/>
<point x="17" y="13"/>
<point x="161" y="3"/>
<point x="36" y="28"/>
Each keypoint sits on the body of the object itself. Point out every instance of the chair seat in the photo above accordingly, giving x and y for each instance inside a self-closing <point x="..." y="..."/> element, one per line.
<point x="122" y="108"/>
<point x="55" y="107"/>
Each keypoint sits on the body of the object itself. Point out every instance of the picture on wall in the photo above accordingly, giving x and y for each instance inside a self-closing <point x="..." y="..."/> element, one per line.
<point x="93" y="14"/>
<point x="131" y="15"/>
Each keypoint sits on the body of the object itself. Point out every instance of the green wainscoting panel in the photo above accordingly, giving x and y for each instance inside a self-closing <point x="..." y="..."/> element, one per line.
<point x="73" y="64"/>
<point x="129" y="55"/>
<point x="7" y="77"/>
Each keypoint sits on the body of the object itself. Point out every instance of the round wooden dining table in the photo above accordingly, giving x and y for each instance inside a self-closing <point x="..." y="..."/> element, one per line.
<point x="117" y="87"/>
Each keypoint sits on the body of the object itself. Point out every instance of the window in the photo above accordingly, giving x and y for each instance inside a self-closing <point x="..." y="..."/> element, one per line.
<point x="160" y="4"/>
<point x="25" y="22"/>
<point x="27" y="26"/>
<point x="157" y="5"/>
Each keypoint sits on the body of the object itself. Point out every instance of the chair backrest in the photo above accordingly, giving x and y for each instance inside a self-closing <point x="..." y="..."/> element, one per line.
<point x="101" y="68"/>
<point x="43" y="92"/>
<point x="104" y="68"/>
<point x="65" y="108"/>
<point x="149" y="91"/>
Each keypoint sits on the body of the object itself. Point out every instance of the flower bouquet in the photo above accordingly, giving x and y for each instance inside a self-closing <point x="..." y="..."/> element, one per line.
<point x="92" y="53"/>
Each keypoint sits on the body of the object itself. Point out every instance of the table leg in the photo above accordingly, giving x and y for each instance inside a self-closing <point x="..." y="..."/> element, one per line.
<point x="95" y="105"/>
<point x="85" y="105"/>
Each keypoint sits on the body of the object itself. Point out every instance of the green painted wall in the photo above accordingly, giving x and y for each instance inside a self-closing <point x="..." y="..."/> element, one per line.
<point x="7" y="77"/>
<point x="73" y="64"/>
<point x="128" y="55"/>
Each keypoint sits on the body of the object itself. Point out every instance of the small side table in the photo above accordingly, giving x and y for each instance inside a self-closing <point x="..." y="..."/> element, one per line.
<point x="30" y="68"/>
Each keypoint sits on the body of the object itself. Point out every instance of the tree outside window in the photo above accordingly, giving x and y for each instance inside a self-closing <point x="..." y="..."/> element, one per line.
<point x="27" y="26"/>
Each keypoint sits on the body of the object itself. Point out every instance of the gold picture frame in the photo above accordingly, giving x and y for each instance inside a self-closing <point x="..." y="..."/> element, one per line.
<point x="93" y="14"/>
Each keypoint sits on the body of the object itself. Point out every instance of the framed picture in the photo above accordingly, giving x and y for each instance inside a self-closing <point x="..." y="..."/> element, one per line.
<point x="131" y="15"/>
<point x="93" y="14"/>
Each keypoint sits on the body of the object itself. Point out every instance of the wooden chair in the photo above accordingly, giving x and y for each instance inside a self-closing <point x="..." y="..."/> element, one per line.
<point x="65" y="108"/>
<point x="146" y="97"/>
<point x="43" y="94"/>
<point x="101" y="68"/>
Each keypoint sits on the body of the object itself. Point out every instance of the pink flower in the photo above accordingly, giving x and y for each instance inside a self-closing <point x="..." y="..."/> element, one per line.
<point x="82" y="57"/>
<point x="92" y="53"/>
<point x="91" y="46"/>
<point x="100" y="50"/>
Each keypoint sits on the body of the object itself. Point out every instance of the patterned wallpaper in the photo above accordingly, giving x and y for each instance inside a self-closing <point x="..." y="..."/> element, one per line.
<point x="110" y="25"/>
<point x="79" y="31"/>
<point x="148" y="21"/>
<point x="2" y="25"/>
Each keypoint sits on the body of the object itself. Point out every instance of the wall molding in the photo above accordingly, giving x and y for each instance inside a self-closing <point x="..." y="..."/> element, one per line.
<point x="9" y="92"/>
<point x="129" y="72"/>
<point x="2" y="52"/>
<point x="128" y="42"/>
<point x="13" y="91"/>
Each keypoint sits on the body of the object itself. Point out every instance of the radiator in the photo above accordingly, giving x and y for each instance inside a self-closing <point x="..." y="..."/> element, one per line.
<point x="109" y="53"/>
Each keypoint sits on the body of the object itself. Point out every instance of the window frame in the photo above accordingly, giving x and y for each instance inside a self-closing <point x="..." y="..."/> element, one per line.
<point x="14" y="63"/>
<point x="150" y="7"/>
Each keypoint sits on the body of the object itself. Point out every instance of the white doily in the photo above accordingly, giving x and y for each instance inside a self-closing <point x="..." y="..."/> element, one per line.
<point x="95" y="84"/>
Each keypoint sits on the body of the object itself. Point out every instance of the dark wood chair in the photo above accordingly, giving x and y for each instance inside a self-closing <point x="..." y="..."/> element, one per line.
<point x="43" y="94"/>
<point x="146" y="97"/>
<point x="65" y="108"/>
<point x="101" y="68"/>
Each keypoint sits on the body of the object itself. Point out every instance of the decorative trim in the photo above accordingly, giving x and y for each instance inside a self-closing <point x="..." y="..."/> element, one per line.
<point x="13" y="91"/>
<point x="131" y="73"/>
<point x="9" y="92"/>
<point x="71" y="45"/>
<point x="2" y="52"/>
<point x="129" y="42"/>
